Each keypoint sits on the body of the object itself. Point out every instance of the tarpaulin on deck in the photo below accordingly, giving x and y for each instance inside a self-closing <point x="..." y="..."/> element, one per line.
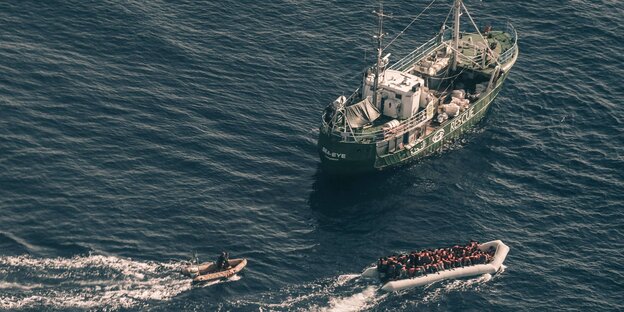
<point x="361" y="113"/>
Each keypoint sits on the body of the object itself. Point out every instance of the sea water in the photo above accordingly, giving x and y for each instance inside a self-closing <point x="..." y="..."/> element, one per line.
<point x="133" y="133"/>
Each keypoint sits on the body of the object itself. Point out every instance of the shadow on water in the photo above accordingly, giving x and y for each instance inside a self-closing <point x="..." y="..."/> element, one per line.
<point x="337" y="194"/>
<point x="346" y="204"/>
<point x="419" y="172"/>
<point x="331" y="191"/>
<point x="356" y="203"/>
<point x="428" y="193"/>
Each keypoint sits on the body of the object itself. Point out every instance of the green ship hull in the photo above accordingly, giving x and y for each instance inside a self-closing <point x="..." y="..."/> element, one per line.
<point x="347" y="158"/>
<point x="410" y="109"/>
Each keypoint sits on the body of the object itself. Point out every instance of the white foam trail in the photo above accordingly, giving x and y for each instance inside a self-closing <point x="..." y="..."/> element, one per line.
<point x="342" y="279"/>
<point x="321" y="296"/>
<point x="456" y="285"/>
<point x="353" y="303"/>
<point x="89" y="282"/>
<point x="502" y="268"/>
<point x="232" y="278"/>
<point x="79" y="262"/>
<point x="485" y="278"/>
<point x="9" y="285"/>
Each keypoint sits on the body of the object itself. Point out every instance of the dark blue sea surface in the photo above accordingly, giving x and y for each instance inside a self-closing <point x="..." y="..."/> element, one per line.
<point x="135" y="132"/>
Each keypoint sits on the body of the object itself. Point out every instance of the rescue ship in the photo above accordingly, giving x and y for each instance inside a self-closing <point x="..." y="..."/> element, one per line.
<point x="408" y="109"/>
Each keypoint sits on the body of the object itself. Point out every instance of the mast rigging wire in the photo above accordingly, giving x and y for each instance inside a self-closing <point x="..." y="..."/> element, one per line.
<point x="410" y="24"/>
<point x="479" y="32"/>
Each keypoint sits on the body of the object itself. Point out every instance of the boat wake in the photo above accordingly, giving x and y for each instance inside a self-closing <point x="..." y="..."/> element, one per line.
<point x="232" y="278"/>
<point x="350" y="293"/>
<point x="435" y="292"/>
<point x="86" y="282"/>
<point x="344" y="293"/>
<point x="365" y="299"/>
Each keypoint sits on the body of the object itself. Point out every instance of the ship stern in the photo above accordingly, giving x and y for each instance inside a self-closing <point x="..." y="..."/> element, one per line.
<point x="345" y="158"/>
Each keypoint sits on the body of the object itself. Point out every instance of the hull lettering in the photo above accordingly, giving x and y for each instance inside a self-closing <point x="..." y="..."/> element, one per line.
<point x="459" y="121"/>
<point x="438" y="136"/>
<point x="333" y="155"/>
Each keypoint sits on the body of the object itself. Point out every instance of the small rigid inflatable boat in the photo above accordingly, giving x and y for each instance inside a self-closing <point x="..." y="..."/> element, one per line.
<point x="473" y="270"/>
<point x="207" y="272"/>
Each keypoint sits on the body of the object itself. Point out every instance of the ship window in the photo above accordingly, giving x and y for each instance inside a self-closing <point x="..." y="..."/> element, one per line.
<point x="398" y="96"/>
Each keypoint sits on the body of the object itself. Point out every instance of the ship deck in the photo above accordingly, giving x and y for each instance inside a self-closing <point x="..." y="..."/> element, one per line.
<point x="469" y="46"/>
<point x="377" y="124"/>
<point x="471" y="60"/>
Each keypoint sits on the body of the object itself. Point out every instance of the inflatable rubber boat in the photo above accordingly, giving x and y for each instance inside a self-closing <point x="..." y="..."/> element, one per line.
<point x="207" y="272"/>
<point x="478" y="269"/>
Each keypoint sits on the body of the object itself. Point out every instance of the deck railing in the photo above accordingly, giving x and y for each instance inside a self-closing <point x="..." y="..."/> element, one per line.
<point x="509" y="54"/>
<point x="346" y="134"/>
<point x="417" y="54"/>
<point x="361" y="135"/>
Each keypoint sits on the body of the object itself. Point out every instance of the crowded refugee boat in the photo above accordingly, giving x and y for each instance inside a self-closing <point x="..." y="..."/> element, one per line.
<point x="223" y="268"/>
<point x="431" y="265"/>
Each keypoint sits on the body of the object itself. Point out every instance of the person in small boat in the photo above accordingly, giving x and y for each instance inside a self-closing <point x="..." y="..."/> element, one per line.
<point x="475" y="258"/>
<point x="467" y="261"/>
<point x="226" y="261"/>
<point x="488" y="258"/>
<point x="220" y="260"/>
<point x="223" y="261"/>
<point x="398" y="270"/>
<point x="403" y="273"/>
<point x="434" y="268"/>
<point x="420" y="259"/>
<point x="458" y="262"/>
<point x="420" y="271"/>
<point x="392" y="270"/>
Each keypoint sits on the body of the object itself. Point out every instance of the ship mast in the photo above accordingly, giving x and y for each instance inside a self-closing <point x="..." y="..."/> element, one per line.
<point x="457" y="11"/>
<point x="379" y="38"/>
